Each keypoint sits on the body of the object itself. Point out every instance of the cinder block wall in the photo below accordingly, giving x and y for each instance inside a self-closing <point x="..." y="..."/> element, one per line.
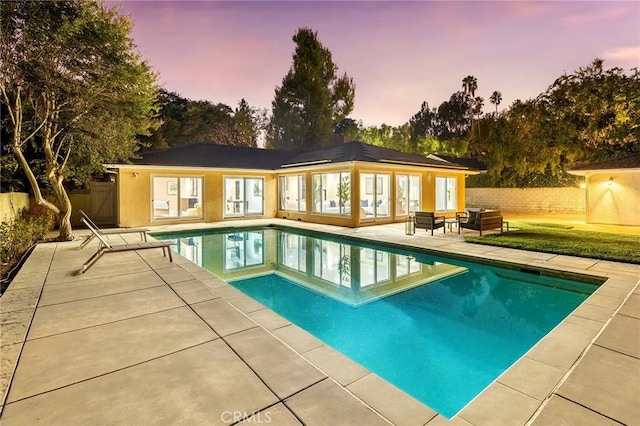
<point x="542" y="200"/>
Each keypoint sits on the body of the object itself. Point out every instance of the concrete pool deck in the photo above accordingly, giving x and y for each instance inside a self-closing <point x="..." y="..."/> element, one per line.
<point x="139" y="340"/>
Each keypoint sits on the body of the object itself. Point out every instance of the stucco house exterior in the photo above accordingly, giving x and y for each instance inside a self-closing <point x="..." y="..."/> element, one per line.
<point x="612" y="193"/>
<point x="352" y="184"/>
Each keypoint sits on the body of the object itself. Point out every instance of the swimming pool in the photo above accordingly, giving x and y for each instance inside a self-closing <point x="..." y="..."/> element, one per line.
<point x="440" y="329"/>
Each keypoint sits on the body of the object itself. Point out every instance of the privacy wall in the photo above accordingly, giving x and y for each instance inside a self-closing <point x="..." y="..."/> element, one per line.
<point x="538" y="200"/>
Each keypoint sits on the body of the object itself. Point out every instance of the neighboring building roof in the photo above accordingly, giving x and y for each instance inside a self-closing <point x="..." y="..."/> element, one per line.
<point x="624" y="163"/>
<point x="216" y="156"/>
<point x="472" y="163"/>
<point x="227" y="156"/>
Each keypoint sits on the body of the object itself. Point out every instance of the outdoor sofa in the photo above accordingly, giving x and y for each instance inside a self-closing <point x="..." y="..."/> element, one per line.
<point x="481" y="221"/>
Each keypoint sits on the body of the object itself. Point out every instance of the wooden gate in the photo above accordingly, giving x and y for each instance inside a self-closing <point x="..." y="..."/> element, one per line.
<point x="103" y="203"/>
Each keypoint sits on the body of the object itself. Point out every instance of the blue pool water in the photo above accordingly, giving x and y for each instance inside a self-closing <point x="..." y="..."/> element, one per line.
<point x="439" y="329"/>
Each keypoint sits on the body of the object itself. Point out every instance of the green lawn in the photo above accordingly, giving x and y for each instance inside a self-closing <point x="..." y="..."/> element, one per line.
<point x="562" y="239"/>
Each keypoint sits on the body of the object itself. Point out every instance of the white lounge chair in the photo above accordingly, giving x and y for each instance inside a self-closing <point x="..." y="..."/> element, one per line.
<point x="141" y="231"/>
<point x="104" y="247"/>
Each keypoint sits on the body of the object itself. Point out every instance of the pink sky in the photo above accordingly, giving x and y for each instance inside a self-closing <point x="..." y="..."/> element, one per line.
<point x="398" y="53"/>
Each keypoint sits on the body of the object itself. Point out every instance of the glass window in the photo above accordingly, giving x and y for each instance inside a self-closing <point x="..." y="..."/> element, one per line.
<point x="177" y="197"/>
<point x="406" y="265"/>
<point x="374" y="267"/>
<point x="407" y="194"/>
<point x="191" y="248"/>
<point x="293" y="251"/>
<point x="375" y="191"/>
<point x="332" y="262"/>
<point x="243" y="196"/>
<point x="446" y="199"/>
<point x="293" y="193"/>
<point x="332" y="193"/>
<point x="243" y="249"/>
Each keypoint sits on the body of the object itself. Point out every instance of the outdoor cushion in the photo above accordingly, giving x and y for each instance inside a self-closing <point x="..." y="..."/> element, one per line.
<point x="472" y="217"/>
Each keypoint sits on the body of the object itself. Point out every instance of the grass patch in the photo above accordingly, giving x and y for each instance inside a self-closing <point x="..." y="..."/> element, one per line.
<point x="561" y="239"/>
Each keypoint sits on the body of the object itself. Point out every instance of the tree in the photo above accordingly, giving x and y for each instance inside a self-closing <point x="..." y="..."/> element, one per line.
<point x="422" y="125"/>
<point x="249" y="122"/>
<point x="598" y="111"/>
<point x="454" y="117"/>
<point x="206" y="122"/>
<point x="185" y="121"/>
<point x="172" y="113"/>
<point x="496" y="98"/>
<point x="589" y="115"/>
<point x="76" y="92"/>
<point x="470" y="85"/>
<point x="311" y="98"/>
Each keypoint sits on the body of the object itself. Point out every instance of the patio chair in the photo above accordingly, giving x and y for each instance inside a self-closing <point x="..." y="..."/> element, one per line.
<point x="104" y="247"/>
<point x="141" y="231"/>
<point x="429" y="221"/>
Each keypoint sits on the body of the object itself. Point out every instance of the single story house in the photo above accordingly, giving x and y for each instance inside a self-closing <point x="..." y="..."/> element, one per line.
<point x="612" y="193"/>
<point x="352" y="184"/>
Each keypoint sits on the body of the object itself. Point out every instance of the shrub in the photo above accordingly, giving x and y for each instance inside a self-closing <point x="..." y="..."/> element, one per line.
<point x="530" y="180"/>
<point x="30" y="227"/>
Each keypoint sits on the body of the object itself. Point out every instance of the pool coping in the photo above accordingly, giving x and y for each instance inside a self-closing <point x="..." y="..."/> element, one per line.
<point x="513" y="388"/>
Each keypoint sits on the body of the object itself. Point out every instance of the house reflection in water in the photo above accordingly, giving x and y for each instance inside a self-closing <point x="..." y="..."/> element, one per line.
<point x="349" y="273"/>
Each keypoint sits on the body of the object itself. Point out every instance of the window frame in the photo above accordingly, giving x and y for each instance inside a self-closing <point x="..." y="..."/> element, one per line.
<point x="283" y="188"/>
<point x="242" y="189"/>
<point x="450" y="193"/>
<point x="411" y="208"/>
<point x="181" y="191"/>
<point x="343" y="205"/>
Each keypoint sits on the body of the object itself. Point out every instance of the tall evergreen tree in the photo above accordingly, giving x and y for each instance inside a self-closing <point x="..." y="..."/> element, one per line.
<point x="311" y="99"/>
<point x="249" y="123"/>
<point x="421" y="125"/>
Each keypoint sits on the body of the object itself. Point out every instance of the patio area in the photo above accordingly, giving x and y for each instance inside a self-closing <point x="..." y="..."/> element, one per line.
<point x="139" y="340"/>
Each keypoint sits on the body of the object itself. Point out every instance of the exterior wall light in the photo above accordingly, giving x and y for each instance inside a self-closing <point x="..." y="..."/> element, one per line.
<point x="583" y="185"/>
<point x="610" y="181"/>
<point x="135" y="174"/>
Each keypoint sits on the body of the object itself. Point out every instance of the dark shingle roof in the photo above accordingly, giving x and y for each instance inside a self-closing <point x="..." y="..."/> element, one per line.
<point x="629" y="162"/>
<point x="218" y="156"/>
<point x="472" y="163"/>
<point x="227" y="156"/>
<point x="359" y="151"/>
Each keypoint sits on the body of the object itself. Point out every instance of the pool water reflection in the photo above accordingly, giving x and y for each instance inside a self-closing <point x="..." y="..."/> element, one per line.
<point x="440" y="329"/>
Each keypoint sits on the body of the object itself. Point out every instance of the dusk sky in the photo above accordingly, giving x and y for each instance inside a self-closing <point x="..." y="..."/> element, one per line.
<point x="398" y="53"/>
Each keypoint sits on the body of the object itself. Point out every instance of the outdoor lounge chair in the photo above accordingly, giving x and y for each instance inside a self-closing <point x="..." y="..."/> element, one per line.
<point x="141" y="231"/>
<point x="429" y="221"/>
<point x="104" y="247"/>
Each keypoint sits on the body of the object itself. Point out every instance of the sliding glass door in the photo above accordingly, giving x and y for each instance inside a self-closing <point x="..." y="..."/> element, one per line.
<point x="375" y="195"/>
<point x="176" y="197"/>
<point x="243" y="196"/>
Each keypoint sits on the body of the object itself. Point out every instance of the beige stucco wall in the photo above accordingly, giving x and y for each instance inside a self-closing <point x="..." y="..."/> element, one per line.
<point x="135" y="197"/>
<point x="134" y="185"/>
<point x="11" y="203"/>
<point x="535" y="200"/>
<point x="614" y="201"/>
<point x="80" y="200"/>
